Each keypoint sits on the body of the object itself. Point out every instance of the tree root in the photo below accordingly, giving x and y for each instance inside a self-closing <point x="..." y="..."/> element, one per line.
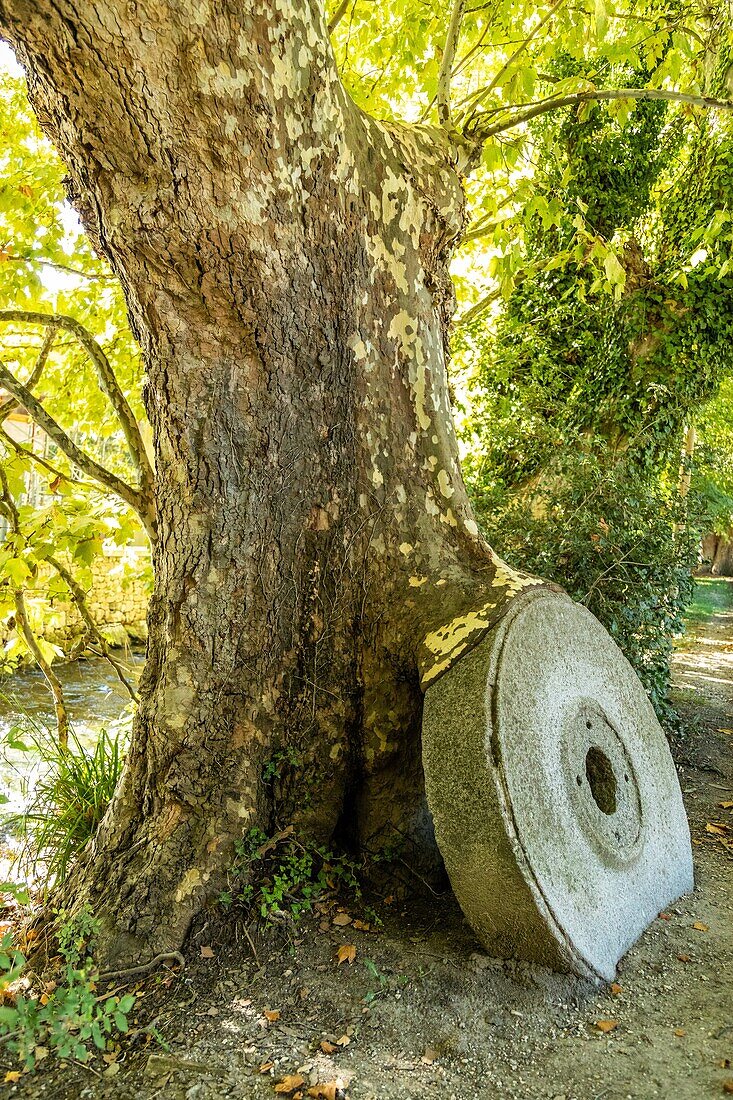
<point x="143" y="968"/>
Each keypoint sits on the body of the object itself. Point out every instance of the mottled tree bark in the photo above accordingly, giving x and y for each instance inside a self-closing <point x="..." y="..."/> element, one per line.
<point x="284" y="261"/>
<point x="717" y="553"/>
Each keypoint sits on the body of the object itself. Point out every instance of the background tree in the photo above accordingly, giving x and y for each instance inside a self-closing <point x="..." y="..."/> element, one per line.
<point x="583" y="400"/>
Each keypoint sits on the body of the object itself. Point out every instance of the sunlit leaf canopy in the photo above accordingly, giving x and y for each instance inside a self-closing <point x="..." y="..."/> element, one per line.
<point x="509" y="58"/>
<point x="47" y="266"/>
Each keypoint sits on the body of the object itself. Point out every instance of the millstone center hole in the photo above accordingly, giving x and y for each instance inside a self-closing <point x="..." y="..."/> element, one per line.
<point x="601" y="780"/>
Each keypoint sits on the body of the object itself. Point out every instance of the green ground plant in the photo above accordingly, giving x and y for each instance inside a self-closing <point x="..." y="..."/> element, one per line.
<point x="272" y="876"/>
<point x="68" y="792"/>
<point x="65" y="1020"/>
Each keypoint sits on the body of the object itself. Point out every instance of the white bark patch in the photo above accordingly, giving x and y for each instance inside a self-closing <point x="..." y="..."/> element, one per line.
<point x="190" y="882"/>
<point x="444" y="484"/>
<point x="223" y="81"/>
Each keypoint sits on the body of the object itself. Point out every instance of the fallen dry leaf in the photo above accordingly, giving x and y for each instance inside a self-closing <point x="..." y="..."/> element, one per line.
<point x="429" y="1056"/>
<point x="684" y="958"/>
<point x="272" y="1014"/>
<point x="679" y="1032"/>
<point x="728" y="1086"/>
<point x="346" y="953"/>
<point x="12" y="1076"/>
<point x="726" y="805"/>
<point x="605" y="1025"/>
<point x="717" y="830"/>
<point x="328" y="1091"/>
<point x="342" y="919"/>
<point x="290" y="1083"/>
<point x="616" y="988"/>
<point x="664" y="916"/>
<point x="266" y="1066"/>
<point x="700" y="927"/>
<point x="328" y="1048"/>
<point x="343" y="1041"/>
<point x="364" y="926"/>
<point x="207" y="953"/>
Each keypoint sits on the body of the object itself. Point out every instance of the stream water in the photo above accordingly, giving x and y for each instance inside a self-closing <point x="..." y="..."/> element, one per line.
<point x="95" y="699"/>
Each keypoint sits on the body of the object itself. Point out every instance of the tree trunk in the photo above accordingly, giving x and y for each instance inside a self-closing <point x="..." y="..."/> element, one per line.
<point x="284" y="260"/>
<point x="717" y="552"/>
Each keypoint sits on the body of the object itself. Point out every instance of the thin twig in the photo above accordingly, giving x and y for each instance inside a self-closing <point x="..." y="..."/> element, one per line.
<point x="7" y="407"/>
<point x="136" y="498"/>
<point x="107" y="381"/>
<point x="21" y="614"/>
<point x="78" y="595"/>
<point x="479" y="130"/>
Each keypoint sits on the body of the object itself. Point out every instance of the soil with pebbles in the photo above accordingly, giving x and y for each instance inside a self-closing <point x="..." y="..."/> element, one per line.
<point x="423" y="1013"/>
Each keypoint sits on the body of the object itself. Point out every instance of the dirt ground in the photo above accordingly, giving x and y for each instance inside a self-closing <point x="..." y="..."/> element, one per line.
<point x="422" y="1012"/>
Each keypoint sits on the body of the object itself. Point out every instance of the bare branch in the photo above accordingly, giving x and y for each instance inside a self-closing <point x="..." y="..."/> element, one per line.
<point x="57" y="691"/>
<point x="481" y="129"/>
<point x="66" y="268"/>
<point x="78" y="595"/>
<point x="136" y="498"/>
<point x="7" y="407"/>
<point x="338" y="16"/>
<point x="476" y="310"/>
<point x="446" y="65"/>
<point x="107" y="381"/>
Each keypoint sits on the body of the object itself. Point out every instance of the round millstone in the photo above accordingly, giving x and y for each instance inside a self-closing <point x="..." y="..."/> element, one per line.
<point x="556" y="803"/>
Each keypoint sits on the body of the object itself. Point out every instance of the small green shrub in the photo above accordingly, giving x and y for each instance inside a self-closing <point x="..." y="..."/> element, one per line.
<point x="281" y="874"/>
<point x="71" y="792"/>
<point x="66" y="1020"/>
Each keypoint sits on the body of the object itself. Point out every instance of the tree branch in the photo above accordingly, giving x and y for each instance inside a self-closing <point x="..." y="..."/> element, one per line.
<point x="30" y="454"/>
<point x="477" y="97"/>
<point x="134" y="497"/>
<point x="78" y="595"/>
<point x="7" y="407"/>
<point x="21" y="615"/>
<point x="446" y="65"/>
<point x="338" y="16"/>
<point x="107" y="381"/>
<point x="481" y="129"/>
<point x="476" y="310"/>
<point x="66" y="268"/>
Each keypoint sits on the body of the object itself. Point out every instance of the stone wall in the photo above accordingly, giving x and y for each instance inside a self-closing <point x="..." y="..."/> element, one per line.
<point x="118" y="600"/>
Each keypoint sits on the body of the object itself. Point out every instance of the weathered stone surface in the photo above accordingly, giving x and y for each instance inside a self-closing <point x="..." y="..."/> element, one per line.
<point x="556" y="802"/>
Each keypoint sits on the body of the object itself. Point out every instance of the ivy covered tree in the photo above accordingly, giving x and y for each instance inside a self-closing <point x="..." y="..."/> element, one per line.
<point x="584" y="400"/>
<point x="281" y="210"/>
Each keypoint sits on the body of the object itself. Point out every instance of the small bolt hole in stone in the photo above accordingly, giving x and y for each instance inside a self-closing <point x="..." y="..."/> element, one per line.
<point x="601" y="780"/>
